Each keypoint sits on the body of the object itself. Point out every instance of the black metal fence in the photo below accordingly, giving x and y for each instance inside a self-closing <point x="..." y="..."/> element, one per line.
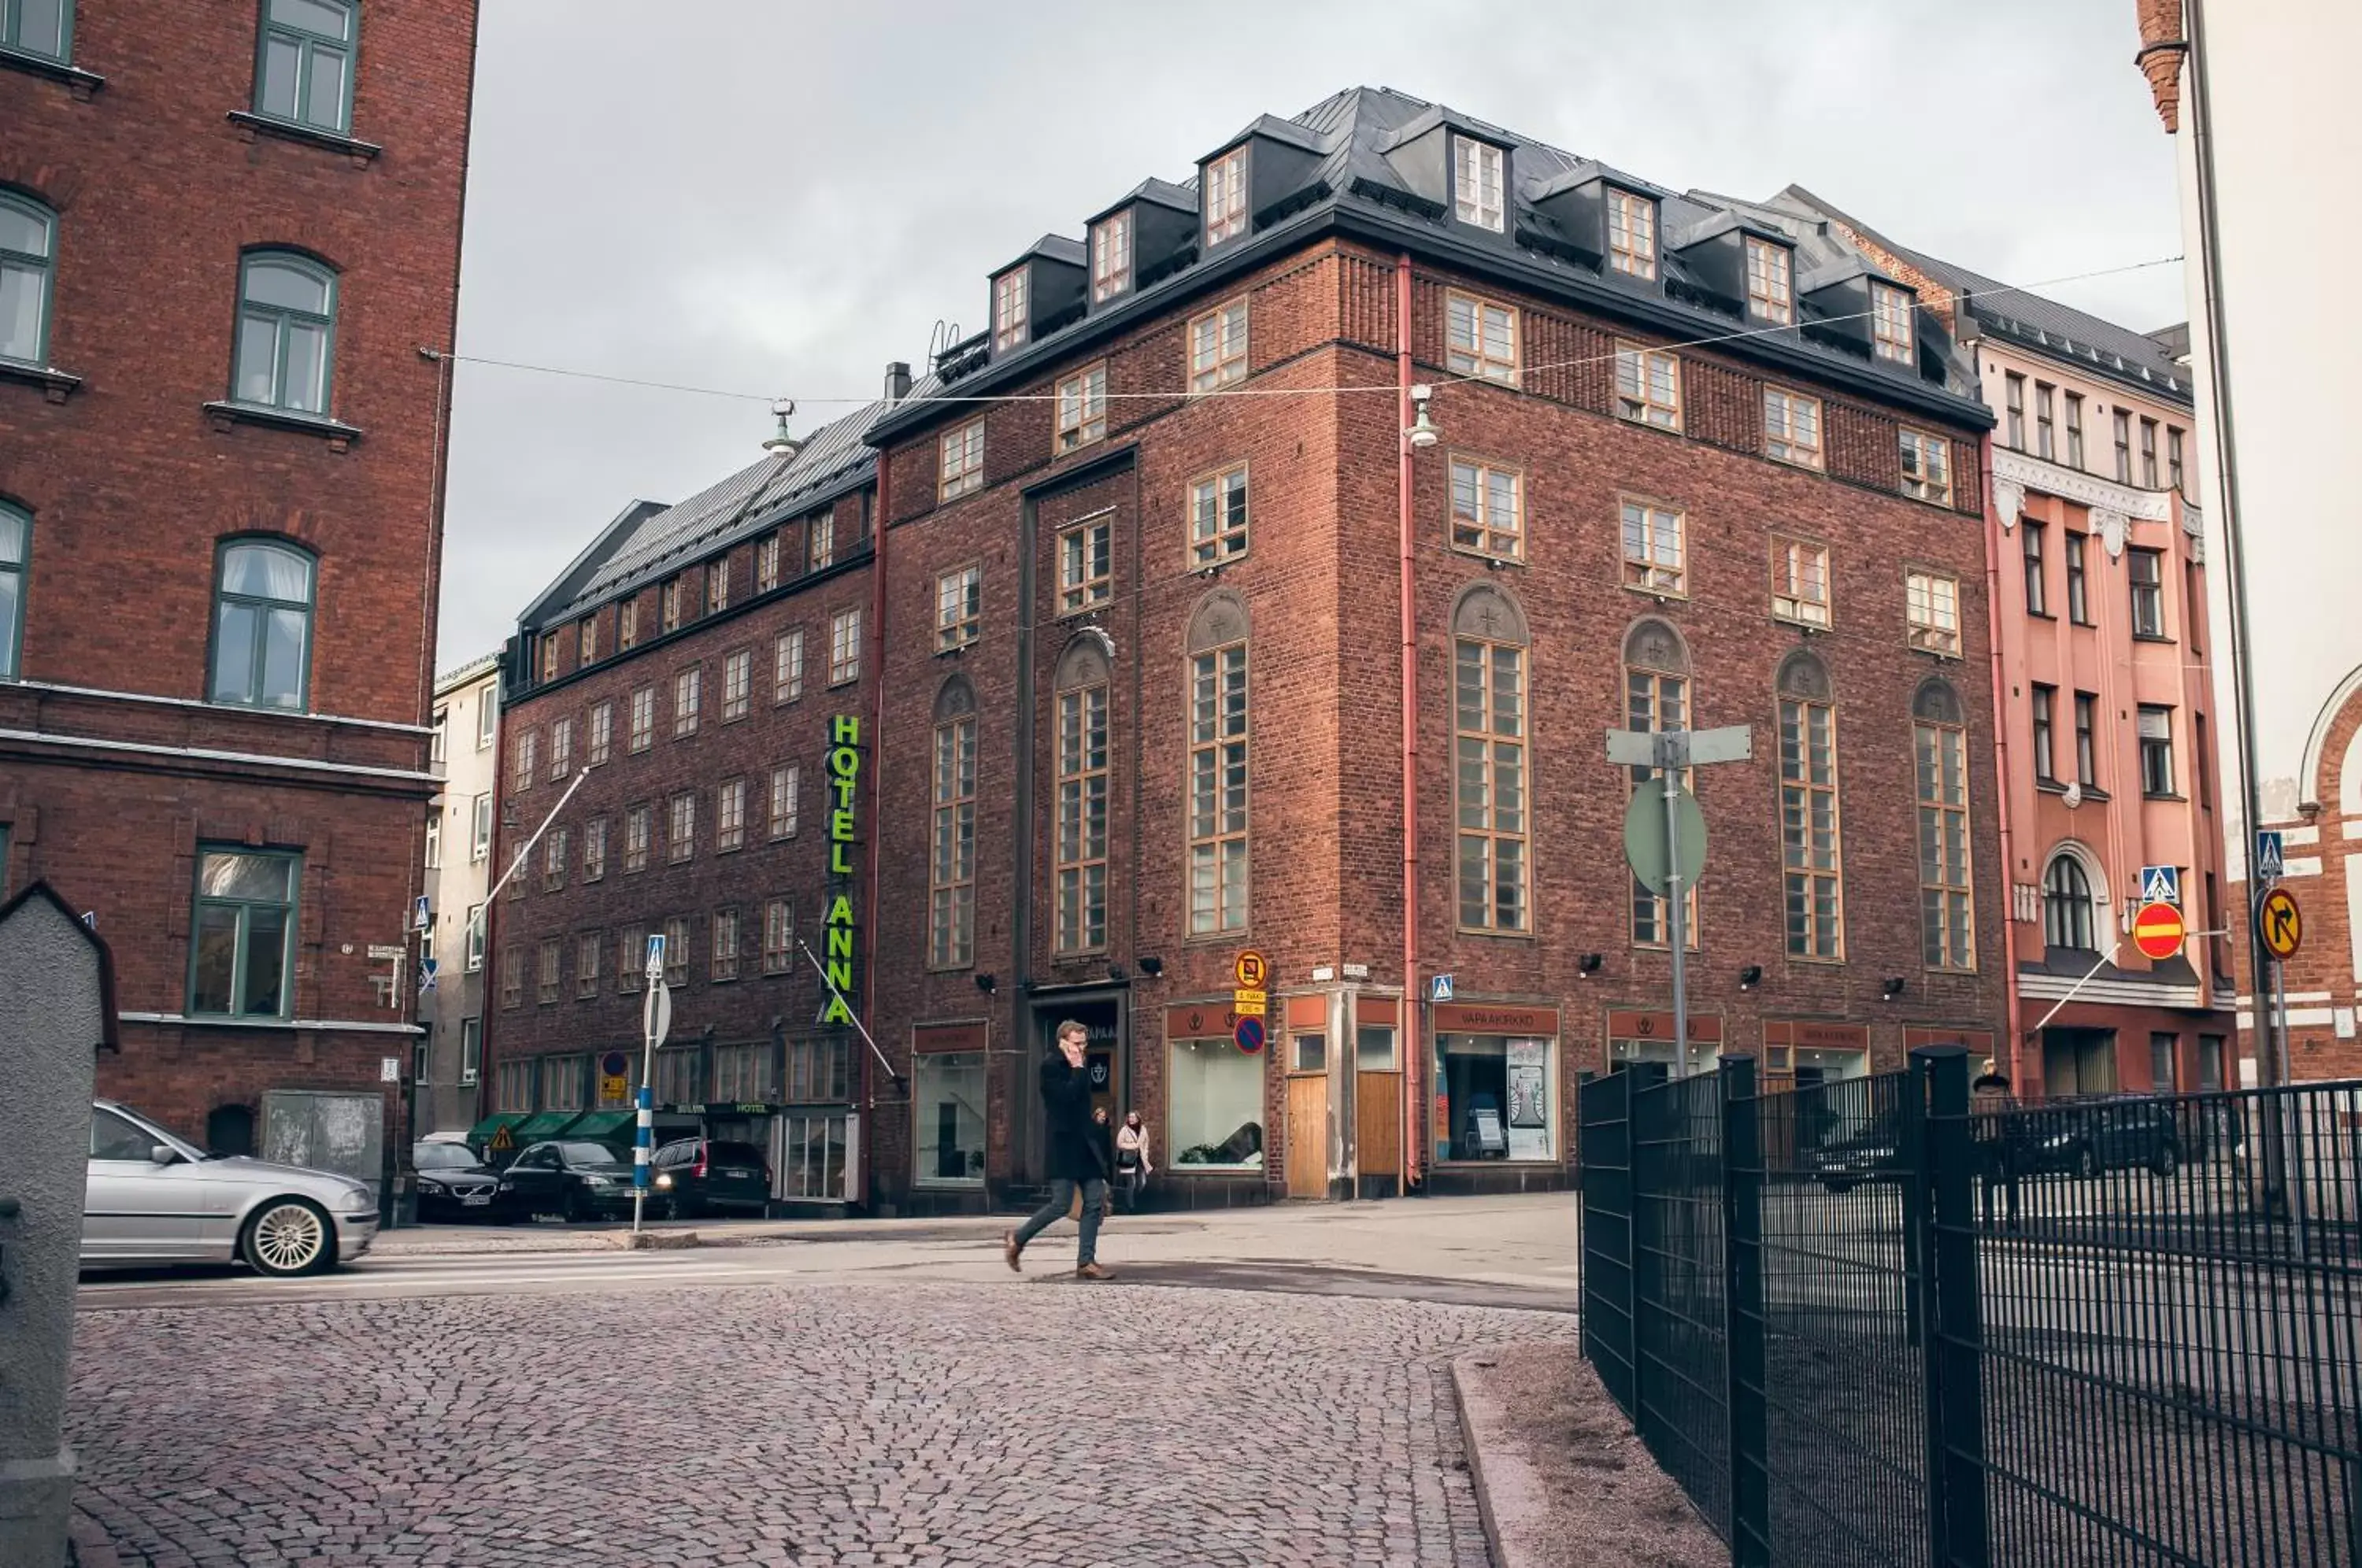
<point x="1863" y="1324"/>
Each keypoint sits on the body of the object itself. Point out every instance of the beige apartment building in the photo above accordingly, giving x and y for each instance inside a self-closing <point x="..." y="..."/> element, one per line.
<point x="459" y="873"/>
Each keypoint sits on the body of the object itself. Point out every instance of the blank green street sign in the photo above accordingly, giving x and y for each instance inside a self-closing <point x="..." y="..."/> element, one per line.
<point x="1644" y="834"/>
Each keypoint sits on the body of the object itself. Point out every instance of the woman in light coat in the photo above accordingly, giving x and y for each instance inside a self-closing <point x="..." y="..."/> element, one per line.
<point x="1131" y="1162"/>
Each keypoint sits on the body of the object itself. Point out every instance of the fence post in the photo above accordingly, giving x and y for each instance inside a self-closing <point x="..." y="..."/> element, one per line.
<point x="1742" y="1295"/>
<point x="1953" y="1353"/>
<point x="1639" y="1103"/>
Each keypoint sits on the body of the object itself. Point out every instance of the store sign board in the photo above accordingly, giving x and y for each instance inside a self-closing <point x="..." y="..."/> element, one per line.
<point x="1494" y="1018"/>
<point x="934" y="1037"/>
<point x="1200" y="1021"/>
<point x="1814" y="1035"/>
<point x="1706" y="1029"/>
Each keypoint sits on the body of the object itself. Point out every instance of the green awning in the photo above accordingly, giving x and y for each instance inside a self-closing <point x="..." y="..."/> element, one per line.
<point x="542" y="1124"/>
<point x="482" y="1132"/>
<point x="598" y="1126"/>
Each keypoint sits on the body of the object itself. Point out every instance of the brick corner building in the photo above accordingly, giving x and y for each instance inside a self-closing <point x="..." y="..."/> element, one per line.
<point x="227" y="233"/>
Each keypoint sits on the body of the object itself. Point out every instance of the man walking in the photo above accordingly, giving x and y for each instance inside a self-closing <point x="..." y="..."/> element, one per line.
<point x="1074" y="1150"/>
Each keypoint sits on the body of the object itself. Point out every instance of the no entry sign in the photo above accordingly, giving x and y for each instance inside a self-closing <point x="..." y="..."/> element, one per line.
<point x="2158" y="931"/>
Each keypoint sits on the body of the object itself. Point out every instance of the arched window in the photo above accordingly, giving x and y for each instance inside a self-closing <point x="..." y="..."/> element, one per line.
<point x="16" y="552"/>
<point x="28" y="232"/>
<point x="1217" y="764"/>
<point x="286" y="332"/>
<point x="1491" y="741"/>
<point x="305" y="70"/>
<point x="1939" y="741"/>
<point x="1657" y="697"/>
<point x="1081" y="687"/>
<point x="2067" y="915"/>
<point x="1811" y="854"/>
<point x="262" y="626"/>
<point x="38" y="26"/>
<point x="951" y="858"/>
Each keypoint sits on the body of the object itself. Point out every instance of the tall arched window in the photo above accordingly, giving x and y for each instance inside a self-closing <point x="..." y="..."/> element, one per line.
<point x="304" y="69"/>
<point x="1939" y="740"/>
<point x="1657" y="697"/>
<point x="1081" y="687"/>
<point x="262" y="626"/>
<point x="1811" y="852"/>
<point x="1490" y="747"/>
<point x="1217" y="764"/>
<point x="286" y="332"/>
<point x="16" y="552"/>
<point x="951" y="858"/>
<point x="2067" y="915"/>
<point x="28" y="232"/>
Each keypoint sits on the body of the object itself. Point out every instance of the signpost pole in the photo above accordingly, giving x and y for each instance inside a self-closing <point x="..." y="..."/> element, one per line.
<point x="1672" y="749"/>
<point x="656" y="1019"/>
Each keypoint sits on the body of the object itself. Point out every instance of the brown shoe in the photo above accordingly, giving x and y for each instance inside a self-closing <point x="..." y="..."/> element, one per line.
<point x="1009" y="1249"/>
<point x="1093" y="1271"/>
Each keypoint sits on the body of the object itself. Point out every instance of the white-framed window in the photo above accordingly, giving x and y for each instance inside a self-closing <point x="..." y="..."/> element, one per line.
<point x="1792" y="427"/>
<point x="680" y="840"/>
<point x="627" y="623"/>
<point x="1218" y="518"/>
<point x="587" y="644"/>
<point x="1657" y="696"/>
<point x="644" y="718"/>
<point x="1488" y="509"/>
<point x="1480" y="338"/>
<point x="594" y="850"/>
<point x="688" y="696"/>
<point x="602" y="731"/>
<point x="1940" y="756"/>
<point x="528" y="759"/>
<point x="1226" y="197"/>
<point x="2156" y="749"/>
<point x="778" y="935"/>
<point x="1218" y="790"/>
<point x="549" y="656"/>
<point x="784" y="782"/>
<point x="1631" y="234"/>
<point x="475" y="938"/>
<point x="737" y="684"/>
<point x="951" y="864"/>
<point x="472" y="1047"/>
<point x="1478" y="170"/>
<point x="2069" y="916"/>
<point x="959" y="607"/>
<point x="1811" y="851"/>
<point x="1489" y="756"/>
<point x="1927" y="466"/>
<point x="639" y="827"/>
<point x="717" y="586"/>
<point x="1648" y="386"/>
<point x="676" y="951"/>
<point x="586" y="965"/>
<point x="1891" y="312"/>
<point x="1082" y="859"/>
<point x="556" y="849"/>
<point x="551" y="967"/>
<point x="1654" y="553"/>
<point x="730" y="815"/>
<point x="1933" y="605"/>
<point x="434" y="839"/>
<point x="668" y="604"/>
<point x="439" y="749"/>
<point x="1111" y="256"/>
<point x="845" y="646"/>
<point x="480" y="846"/>
<point x="1009" y="319"/>
<point x="1771" y="281"/>
<point x="726" y="944"/>
<point x="960" y="460"/>
<point x="788" y="667"/>
<point x="820" y="540"/>
<point x="1800" y="581"/>
<point x="1218" y="347"/>
<point x="631" y="960"/>
<point x="487" y="718"/>
<point x="1086" y="569"/>
<point x="766" y="564"/>
<point x="1082" y="409"/>
<point x="562" y="748"/>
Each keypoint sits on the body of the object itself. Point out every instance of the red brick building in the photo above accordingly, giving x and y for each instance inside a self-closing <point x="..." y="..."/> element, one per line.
<point x="1138" y="698"/>
<point x="226" y="236"/>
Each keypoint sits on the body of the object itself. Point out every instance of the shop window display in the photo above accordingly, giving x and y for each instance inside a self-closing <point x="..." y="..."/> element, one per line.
<point x="1214" y="1107"/>
<point x="1498" y="1098"/>
<point x="948" y="1088"/>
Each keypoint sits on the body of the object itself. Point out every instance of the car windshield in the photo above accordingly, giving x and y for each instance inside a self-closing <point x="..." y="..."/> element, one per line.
<point x="585" y="1155"/>
<point x="442" y="1157"/>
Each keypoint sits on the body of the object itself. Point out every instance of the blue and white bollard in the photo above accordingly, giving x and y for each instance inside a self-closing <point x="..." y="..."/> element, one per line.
<point x="643" y="1151"/>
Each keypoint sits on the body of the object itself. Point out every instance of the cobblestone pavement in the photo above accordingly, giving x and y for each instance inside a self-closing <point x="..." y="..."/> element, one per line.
<point x="840" y="1423"/>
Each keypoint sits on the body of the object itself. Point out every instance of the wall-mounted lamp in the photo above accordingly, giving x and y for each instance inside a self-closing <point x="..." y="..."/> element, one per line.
<point x="1751" y="977"/>
<point x="1422" y="433"/>
<point x="987" y="983"/>
<point x="1152" y="965"/>
<point x="780" y="443"/>
<point x="1116" y="973"/>
<point x="1589" y="965"/>
<point x="1890" y="988"/>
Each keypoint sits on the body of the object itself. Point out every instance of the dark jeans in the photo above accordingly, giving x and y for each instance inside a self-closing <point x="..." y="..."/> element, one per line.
<point x="1998" y="1160"/>
<point x="1061" y="1198"/>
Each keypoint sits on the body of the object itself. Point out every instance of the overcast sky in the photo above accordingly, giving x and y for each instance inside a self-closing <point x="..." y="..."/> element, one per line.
<point x="778" y="198"/>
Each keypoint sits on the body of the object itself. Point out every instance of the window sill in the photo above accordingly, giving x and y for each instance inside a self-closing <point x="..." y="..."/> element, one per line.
<point x="335" y="432"/>
<point x="1496" y="934"/>
<point x="362" y="153"/>
<point x="2152" y="637"/>
<point x="1096" y="607"/>
<point x="1799" y="621"/>
<point x="2167" y="796"/>
<point x="1490" y="558"/>
<point x="2041" y="616"/>
<point x="1662" y="595"/>
<point x="954" y="650"/>
<point x="56" y="384"/>
<point x="83" y="84"/>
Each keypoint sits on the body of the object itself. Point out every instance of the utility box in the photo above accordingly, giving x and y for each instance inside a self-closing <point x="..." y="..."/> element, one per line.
<point x="57" y="1010"/>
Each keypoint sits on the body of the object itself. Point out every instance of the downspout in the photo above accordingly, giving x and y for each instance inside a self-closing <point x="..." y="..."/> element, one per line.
<point x="877" y="814"/>
<point x="1415" y="1089"/>
<point x="2002" y="773"/>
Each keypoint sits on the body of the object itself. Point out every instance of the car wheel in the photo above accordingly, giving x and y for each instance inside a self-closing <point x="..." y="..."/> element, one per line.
<point x="2087" y="1162"/>
<point x="2165" y="1161"/>
<point x="289" y="1236"/>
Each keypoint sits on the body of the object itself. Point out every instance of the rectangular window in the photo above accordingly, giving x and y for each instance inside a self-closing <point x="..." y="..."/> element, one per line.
<point x="562" y="748"/>
<point x="1648" y="387"/>
<point x="627" y="623"/>
<point x="788" y="667"/>
<point x="2046" y="761"/>
<point x="1631" y="234"/>
<point x="1489" y="770"/>
<point x="556" y="849"/>
<point x="550" y="966"/>
<point x="1111" y="257"/>
<point x="1082" y="409"/>
<point x="717" y="586"/>
<point x="594" y="849"/>
<point x="959" y="607"/>
<point x="2173" y="470"/>
<point x="2210" y="1063"/>
<point x="2144" y="570"/>
<point x="1653" y="701"/>
<point x="2156" y="750"/>
<point x="1892" y="310"/>
<point x="528" y="757"/>
<point x="1218" y="518"/>
<point x="2201" y="762"/>
<point x="669" y="602"/>
<point x="1927" y="466"/>
<point x="737" y="684"/>
<point x="947" y="1091"/>
<point x="1771" y="287"/>
<point x="639" y="826"/>
<point x="1082" y="869"/>
<point x="2148" y="454"/>
<point x="1226" y="197"/>
<point x="1480" y="338"/>
<point x="1808" y="827"/>
<point x="38" y="26"/>
<point x="438" y="749"/>
<point x="1653" y="549"/>
<point x="1085" y="572"/>
<point x="2044" y="397"/>
<point x="1009" y="321"/>
<point x="2074" y="430"/>
<point x="2162" y="1049"/>
<point x="1948" y="932"/>
<point x="1476" y="184"/>
<point x="2086" y="762"/>
<point x="680" y="840"/>
<point x="844" y="646"/>
<point x="1800" y="581"/>
<point x="783" y="802"/>
<point x="688" y="695"/>
<point x="242" y="934"/>
<point x="820" y="540"/>
<point x="549" y="656"/>
<point x="475" y="947"/>
<point x="632" y="960"/>
<point x="1792" y="428"/>
<point x="2014" y="411"/>
<point x="1218" y="347"/>
<point x="778" y="937"/>
<point x="1218" y="790"/>
<point x="676" y="952"/>
<point x="730" y="815"/>
<point x="1933" y="604"/>
<point x="1488" y="514"/>
<point x="644" y="718"/>
<point x="487" y="721"/>
<point x="434" y="844"/>
<point x="2079" y="602"/>
<point x="951" y="868"/>
<point x="959" y="460"/>
<point x="305" y="71"/>
<point x="2031" y="535"/>
<point x="766" y="564"/>
<point x="586" y="965"/>
<point x="2124" y="447"/>
<point x="726" y="945"/>
<point x="472" y="1049"/>
<point x="602" y="732"/>
<point x="511" y="977"/>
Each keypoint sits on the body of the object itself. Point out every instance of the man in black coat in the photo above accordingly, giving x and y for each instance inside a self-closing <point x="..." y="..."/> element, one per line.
<point x="1075" y="1157"/>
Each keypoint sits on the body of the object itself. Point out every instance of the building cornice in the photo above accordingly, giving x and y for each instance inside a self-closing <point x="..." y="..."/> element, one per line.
<point x="156" y="699"/>
<point x="2114" y="505"/>
<point x="194" y="754"/>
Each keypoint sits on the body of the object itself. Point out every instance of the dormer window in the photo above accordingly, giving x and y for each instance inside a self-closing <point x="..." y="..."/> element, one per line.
<point x="1476" y="182"/>
<point x="1890" y="310"/>
<point x="1631" y="234"/>
<point x="1111" y="257"/>
<point x="1226" y="197"/>
<point x="1009" y="310"/>
<point x="1771" y="290"/>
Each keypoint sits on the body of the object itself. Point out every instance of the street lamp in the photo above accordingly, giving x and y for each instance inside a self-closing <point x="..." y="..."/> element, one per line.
<point x="780" y="444"/>
<point x="1422" y="433"/>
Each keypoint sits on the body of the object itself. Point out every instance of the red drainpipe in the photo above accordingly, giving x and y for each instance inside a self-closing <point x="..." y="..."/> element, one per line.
<point x="877" y="673"/>
<point x="1414" y="1082"/>
<point x="2002" y="774"/>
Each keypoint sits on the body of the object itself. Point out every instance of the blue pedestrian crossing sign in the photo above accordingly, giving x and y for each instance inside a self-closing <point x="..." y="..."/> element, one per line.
<point x="2161" y="885"/>
<point x="2269" y="860"/>
<point x="1439" y="988"/>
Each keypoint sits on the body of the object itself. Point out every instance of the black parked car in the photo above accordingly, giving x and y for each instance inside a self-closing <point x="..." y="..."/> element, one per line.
<point x="453" y="1184"/>
<point x="700" y="1176"/>
<point x="2106" y="1135"/>
<point x="572" y="1179"/>
<point x="1847" y="1162"/>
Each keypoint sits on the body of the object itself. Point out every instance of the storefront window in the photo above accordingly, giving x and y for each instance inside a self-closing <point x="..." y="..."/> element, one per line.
<point x="1213" y="1107"/>
<point x="1497" y="1092"/>
<point x="1374" y="1049"/>
<point x="809" y="1154"/>
<point x="949" y="1091"/>
<point x="677" y="1077"/>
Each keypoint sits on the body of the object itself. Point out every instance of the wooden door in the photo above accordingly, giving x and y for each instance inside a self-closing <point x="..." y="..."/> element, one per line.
<point x="1307" y="1135"/>
<point x="1377" y="1123"/>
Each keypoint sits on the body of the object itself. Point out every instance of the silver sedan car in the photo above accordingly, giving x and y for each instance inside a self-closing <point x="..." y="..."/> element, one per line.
<point x="156" y="1198"/>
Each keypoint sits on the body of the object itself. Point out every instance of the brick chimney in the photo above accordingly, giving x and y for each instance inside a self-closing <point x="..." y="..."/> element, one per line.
<point x="2162" y="46"/>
